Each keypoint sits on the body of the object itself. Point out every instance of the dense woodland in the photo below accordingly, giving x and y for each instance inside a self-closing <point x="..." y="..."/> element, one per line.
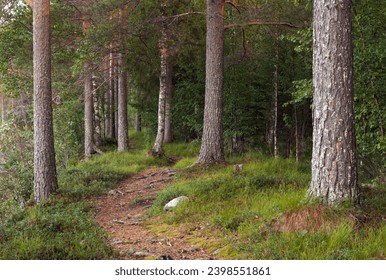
<point x="92" y="92"/>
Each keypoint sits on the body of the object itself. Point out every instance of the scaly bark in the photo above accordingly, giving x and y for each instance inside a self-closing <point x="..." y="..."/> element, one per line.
<point x="45" y="180"/>
<point x="212" y="147"/>
<point x="334" y="165"/>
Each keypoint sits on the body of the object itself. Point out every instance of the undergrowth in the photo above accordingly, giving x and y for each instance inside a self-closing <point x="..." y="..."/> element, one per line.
<point x="63" y="226"/>
<point x="262" y="214"/>
<point x="256" y="213"/>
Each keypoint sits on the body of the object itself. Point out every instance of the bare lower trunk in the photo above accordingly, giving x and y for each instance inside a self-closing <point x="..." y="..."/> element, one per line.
<point x="157" y="148"/>
<point x="168" y="137"/>
<point x="212" y="147"/>
<point x="45" y="181"/>
<point x="138" y="122"/>
<point x="97" y="118"/>
<point x="88" y="111"/>
<point x="123" y="136"/>
<point x="334" y="166"/>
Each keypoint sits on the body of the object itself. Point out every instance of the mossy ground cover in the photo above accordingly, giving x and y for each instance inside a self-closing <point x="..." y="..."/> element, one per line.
<point x="258" y="213"/>
<point x="261" y="212"/>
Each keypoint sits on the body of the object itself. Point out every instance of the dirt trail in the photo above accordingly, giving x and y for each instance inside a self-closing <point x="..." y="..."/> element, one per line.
<point x="121" y="211"/>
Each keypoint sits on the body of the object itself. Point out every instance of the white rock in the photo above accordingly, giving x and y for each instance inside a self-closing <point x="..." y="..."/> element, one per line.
<point x="174" y="202"/>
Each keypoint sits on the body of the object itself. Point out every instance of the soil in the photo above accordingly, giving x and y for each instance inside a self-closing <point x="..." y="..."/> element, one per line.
<point x="121" y="214"/>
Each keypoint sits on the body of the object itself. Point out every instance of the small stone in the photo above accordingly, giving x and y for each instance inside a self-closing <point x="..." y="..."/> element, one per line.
<point x="174" y="202"/>
<point x="112" y="192"/>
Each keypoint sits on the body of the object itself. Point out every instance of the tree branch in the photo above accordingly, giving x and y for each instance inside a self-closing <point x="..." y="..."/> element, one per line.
<point x="255" y="23"/>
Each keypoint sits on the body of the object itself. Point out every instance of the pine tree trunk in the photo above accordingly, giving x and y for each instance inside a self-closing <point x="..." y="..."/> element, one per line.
<point x="123" y="136"/>
<point x="157" y="148"/>
<point x="168" y="137"/>
<point x="212" y="147"/>
<point x="45" y="181"/>
<point x="112" y="87"/>
<point x="334" y="166"/>
<point x="88" y="111"/>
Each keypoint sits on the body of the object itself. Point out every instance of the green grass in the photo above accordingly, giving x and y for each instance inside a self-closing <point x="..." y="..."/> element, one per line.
<point x="240" y="215"/>
<point x="63" y="227"/>
<point x="244" y="207"/>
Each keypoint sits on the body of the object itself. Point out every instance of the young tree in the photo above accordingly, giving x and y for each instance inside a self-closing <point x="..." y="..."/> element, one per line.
<point x="334" y="166"/>
<point x="45" y="181"/>
<point x="212" y="147"/>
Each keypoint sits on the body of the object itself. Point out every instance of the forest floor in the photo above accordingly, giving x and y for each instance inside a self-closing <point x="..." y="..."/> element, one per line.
<point x="122" y="213"/>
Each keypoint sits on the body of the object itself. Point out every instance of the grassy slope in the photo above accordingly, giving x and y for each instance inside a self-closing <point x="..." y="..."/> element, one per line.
<point x="63" y="227"/>
<point x="258" y="213"/>
<point x="261" y="213"/>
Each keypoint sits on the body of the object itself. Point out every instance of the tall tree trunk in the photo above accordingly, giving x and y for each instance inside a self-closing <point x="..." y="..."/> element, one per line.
<point x="157" y="148"/>
<point x="212" y="147"/>
<point x="45" y="181"/>
<point x="97" y="117"/>
<point x="334" y="165"/>
<point x="123" y="126"/>
<point x="123" y="136"/>
<point x="168" y="137"/>
<point x="88" y="111"/>
<point x="138" y="122"/>
<point x="107" y="99"/>
<point x="112" y="89"/>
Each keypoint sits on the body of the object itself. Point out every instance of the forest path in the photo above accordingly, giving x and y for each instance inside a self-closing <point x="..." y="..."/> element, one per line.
<point x="121" y="214"/>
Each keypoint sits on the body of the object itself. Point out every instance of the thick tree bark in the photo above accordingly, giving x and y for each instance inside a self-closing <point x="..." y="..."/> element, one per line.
<point x="168" y="137"/>
<point x="45" y="181"/>
<point x="123" y="125"/>
<point x="334" y="166"/>
<point x="88" y="111"/>
<point x="212" y="147"/>
<point x="157" y="148"/>
<point x="123" y="136"/>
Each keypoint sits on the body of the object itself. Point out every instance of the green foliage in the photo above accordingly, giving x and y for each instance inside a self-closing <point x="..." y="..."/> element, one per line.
<point x="246" y="207"/>
<point x="56" y="229"/>
<point x="63" y="227"/>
